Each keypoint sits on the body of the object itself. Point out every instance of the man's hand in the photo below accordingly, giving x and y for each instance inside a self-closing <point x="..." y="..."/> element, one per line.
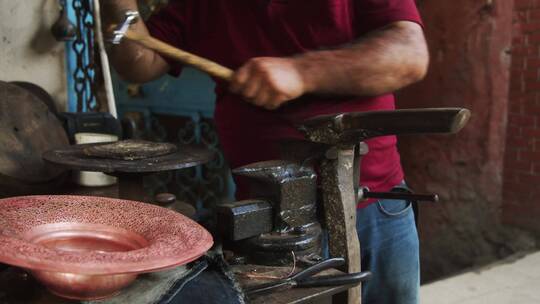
<point x="269" y="82"/>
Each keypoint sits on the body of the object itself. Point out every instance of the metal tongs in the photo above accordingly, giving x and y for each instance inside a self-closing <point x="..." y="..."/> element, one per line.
<point x="304" y="278"/>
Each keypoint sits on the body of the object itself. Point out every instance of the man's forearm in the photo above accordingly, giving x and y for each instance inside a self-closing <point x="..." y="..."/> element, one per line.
<point x="382" y="62"/>
<point x="132" y="61"/>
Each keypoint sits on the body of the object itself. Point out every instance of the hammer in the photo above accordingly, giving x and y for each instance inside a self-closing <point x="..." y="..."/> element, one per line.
<point x="212" y="68"/>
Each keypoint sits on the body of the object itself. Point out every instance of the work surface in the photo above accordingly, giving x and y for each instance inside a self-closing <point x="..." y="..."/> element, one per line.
<point x="16" y="286"/>
<point x="249" y="275"/>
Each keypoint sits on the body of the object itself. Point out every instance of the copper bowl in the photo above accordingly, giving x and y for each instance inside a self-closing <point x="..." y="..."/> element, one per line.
<point x="89" y="248"/>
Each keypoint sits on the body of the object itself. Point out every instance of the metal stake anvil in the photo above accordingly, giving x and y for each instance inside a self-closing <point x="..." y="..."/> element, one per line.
<point x="342" y="137"/>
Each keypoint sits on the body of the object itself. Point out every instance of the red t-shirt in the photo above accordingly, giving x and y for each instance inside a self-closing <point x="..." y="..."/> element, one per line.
<point x="231" y="32"/>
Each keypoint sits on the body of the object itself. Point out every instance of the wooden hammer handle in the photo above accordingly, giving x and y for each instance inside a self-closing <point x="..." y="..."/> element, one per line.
<point x="203" y="64"/>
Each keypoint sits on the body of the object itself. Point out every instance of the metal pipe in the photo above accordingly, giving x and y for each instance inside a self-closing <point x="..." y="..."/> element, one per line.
<point x="111" y="103"/>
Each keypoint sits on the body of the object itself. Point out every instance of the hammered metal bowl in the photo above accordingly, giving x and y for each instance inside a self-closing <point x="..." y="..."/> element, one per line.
<point x="89" y="248"/>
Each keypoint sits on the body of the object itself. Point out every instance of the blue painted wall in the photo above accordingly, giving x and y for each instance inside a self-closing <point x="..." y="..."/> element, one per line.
<point x="192" y="94"/>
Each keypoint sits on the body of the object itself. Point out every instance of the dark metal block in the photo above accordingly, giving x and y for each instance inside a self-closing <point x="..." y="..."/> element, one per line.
<point x="276" y="248"/>
<point x="291" y="187"/>
<point x="245" y="219"/>
<point x="298" y="201"/>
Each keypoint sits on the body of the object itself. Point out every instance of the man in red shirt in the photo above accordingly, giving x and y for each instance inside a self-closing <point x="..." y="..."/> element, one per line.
<point x="355" y="53"/>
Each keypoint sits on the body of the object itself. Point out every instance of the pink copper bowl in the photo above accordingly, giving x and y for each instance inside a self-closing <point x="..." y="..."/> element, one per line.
<point x="91" y="247"/>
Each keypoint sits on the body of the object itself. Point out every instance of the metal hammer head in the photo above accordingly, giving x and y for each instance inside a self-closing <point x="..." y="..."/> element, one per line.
<point x="130" y="18"/>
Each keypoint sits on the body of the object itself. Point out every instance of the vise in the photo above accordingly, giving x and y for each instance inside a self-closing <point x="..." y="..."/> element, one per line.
<point x="281" y="220"/>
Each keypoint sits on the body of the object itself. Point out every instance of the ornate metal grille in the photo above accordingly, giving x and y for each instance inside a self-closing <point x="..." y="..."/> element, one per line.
<point x="84" y="74"/>
<point x="204" y="186"/>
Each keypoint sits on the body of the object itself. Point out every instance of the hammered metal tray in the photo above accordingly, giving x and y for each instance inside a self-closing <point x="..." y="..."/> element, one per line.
<point x="90" y="247"/>
<point x="130" y="149"/>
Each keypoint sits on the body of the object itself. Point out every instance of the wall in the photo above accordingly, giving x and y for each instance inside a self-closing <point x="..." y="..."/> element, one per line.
<point x="522" y="163"/>
<point x="469" y="42"/>
<point x="28" y="51"/>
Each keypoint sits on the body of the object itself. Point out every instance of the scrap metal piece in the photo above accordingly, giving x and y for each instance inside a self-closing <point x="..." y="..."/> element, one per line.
<point x="273" y="170"/>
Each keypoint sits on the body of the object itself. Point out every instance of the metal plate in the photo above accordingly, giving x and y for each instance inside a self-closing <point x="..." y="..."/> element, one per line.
<point x="39" y="92"/>
<point x="74" y="157"/>
<point x="131" y="149"/>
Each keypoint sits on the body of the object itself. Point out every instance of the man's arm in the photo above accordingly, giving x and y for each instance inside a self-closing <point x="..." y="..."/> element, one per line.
<point x="132" y="61"/>
<point x="381" y="62"/>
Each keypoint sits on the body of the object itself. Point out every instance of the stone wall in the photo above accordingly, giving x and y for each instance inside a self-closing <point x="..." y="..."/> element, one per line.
<point x="470" y="43"/>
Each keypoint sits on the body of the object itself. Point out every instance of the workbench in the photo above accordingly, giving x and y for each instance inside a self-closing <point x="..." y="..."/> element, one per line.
<point x="16" y="286"/>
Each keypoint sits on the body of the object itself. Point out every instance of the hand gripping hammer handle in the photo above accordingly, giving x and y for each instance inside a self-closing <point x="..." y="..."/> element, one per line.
<point x="212" y="68"/>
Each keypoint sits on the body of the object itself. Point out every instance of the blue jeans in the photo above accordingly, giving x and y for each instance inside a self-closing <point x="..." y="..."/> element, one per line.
<point x="390" y="250"/>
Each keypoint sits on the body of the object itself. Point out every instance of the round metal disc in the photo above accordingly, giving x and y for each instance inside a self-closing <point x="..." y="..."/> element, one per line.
<point x="130" y="149"/>
<point x="74" y="157"/>
<point x="39" y="92"/>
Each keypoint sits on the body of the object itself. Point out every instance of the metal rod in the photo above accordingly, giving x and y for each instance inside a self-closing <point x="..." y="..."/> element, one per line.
<point x="104" y="61"/>
<point x="402" y="196"/>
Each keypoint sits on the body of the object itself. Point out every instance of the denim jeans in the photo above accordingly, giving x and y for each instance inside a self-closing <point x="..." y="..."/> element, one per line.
<point x="390" y="250"/>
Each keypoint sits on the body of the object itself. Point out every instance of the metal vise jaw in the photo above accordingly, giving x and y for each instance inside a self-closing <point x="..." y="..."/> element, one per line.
<point x="120" y="32"/>
<point x="281" y="221"/>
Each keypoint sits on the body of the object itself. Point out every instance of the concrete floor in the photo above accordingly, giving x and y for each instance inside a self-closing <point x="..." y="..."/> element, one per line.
<point x="513" y="281"/>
